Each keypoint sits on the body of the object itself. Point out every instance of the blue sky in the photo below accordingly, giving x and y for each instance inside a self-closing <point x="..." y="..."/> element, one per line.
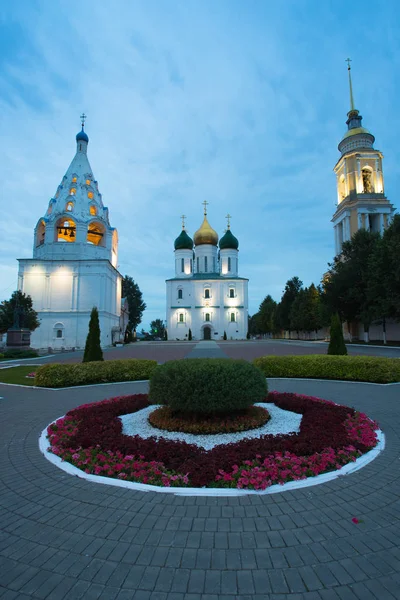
<point x="239" y="103"/>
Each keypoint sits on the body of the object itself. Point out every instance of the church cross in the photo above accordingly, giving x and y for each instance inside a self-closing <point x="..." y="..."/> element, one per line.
<point x="229" y="217"/>
<point x="348" y="60"/>
<point x="83" y="117"/>
<point x="183" y="217"/>
<point x="205" y="206"/>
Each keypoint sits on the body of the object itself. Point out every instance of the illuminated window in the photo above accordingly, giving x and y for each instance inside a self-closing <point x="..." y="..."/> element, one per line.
<point x="70" y="206"/>
<point x="233" y="317"/>
<point x="88" y="182"/>
<point x="207" y="316"/>
<point x="74" y="179"/>
<point x="65" y="230"/>
<point x="181" y="318"/>
<point x="231" y="293"/>
<point x="90" y="195"/>
<point x="95" y="234"/>
<point x="206" y="293"/>
<point x="180" y="294"/>
<point x="72" y="191"/>
<point x="93" y="210"/>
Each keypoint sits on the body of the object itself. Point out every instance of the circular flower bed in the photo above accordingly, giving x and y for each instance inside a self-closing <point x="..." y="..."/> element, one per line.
<point x="90" y="437"/>
<point x="166" y="419"/>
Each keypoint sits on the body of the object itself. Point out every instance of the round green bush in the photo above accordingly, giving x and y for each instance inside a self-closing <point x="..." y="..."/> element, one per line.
<point x="207" y="385"/>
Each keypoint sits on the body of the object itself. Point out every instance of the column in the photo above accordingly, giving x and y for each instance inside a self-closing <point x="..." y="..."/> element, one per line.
<point x="381" y="224"/>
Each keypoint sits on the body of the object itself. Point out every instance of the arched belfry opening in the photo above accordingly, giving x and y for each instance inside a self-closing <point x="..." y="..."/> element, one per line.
<point x="96" y="234"/>
<point x="40" y="233"/>
<point x="65" y="230"/>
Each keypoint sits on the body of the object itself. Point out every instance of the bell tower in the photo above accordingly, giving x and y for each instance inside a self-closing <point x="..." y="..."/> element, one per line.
<point x="361" y="200"/>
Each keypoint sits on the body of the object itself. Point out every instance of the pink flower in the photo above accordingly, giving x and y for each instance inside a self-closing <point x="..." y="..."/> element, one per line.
<point x="355" y="520"/>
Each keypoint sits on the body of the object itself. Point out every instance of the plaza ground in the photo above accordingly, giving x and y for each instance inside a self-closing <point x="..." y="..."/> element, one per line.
<point x="66" y="538"/>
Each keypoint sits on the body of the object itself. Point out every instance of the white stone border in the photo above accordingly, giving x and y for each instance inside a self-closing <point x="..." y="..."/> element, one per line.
<point x="351" y="467"/>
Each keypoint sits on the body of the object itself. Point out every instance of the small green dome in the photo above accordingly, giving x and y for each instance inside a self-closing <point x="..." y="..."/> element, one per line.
<point x="228" y="241"/>
<point x="183" y="241"/>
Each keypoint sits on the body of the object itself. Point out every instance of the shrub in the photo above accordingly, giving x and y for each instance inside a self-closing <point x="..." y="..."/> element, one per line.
<point x="16" y="353"/>
<point x="336" y="344"/>
<point x="1" y="355"/>
<point x="251" y="418"/>
<point x="207" y="385"/>
<point x="224" y="337"/>
<point x="350" y="368"/>
<point x="190" y="335"/>
<point x="93" y="351"/>
<point x="65" y="375"/>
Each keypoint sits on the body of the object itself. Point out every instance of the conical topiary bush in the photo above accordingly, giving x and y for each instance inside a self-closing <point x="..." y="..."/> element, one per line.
<point x="336" y="344"/>
<point x="93" y="349"/>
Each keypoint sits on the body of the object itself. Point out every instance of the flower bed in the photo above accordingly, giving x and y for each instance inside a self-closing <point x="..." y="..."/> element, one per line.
<point x="90" y="437"/>
<point x="251" y="418"/>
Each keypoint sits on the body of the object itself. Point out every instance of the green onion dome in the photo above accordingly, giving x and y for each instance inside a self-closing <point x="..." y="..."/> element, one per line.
<point x="183" y="241"/>
<point x="228" y="241"/>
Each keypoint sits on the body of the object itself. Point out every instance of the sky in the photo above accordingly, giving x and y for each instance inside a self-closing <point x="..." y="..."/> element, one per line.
<point x="238" y="103"/>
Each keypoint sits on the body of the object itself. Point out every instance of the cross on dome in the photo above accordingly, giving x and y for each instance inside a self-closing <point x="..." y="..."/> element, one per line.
<point x="205" y="203"/>
<point x="83" y="118"/>
<point x="228" y="218"/>
<point x="183" y="217"/>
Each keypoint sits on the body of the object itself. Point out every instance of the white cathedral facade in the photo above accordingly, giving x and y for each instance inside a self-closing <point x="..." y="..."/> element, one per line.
<point x="207" y="296"/>
<point x="74" y="264"/>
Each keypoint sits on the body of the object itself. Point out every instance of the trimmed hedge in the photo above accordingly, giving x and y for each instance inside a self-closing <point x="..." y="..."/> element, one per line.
<point x="207" y="385"/>
<point x="66" y="375"/>
<point x="350" y="368"/>
<point x="19" y="353"/>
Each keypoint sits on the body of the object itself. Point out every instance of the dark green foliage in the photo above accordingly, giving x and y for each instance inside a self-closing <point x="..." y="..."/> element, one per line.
<point x="190" y="337"/>
<point x="248" y="335"/>
<point x="166" y="335"/>
<point x="306" y="313"/>
<point x="336" y="344"/>
<point x="16" y="353"/>
<point x="292" y="289"/>
<point x="18" y="310"/>
<point x="93" y="351"/>
<point x="207" y="385"/>
<point x="66" y="375"/>
<point x="157" y="328"/>
<point x="131" y="291"/>
<point x="225" y="336"/>
<point x="323" y="366"/>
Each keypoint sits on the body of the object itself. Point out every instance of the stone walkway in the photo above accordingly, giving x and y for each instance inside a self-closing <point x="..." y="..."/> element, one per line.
<point x="63" y="537"/>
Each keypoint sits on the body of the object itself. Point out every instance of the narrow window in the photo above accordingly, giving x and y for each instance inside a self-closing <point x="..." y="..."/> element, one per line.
<point x="205" y="264"/>
<point x="206" y="293"/>
<point x="181" y="318"/>
<point x="213" y="264"/>
<point x="80" y="146"/>
<point x="90" y="195"/>
<point x="87" y="181"/>
<point x="229" y="263"/>
<point x="232" y="317"/>
<point x="191" y="265"/>
<point x="198" y="265"/>
<point x="59" y="333"/>
<point x="70" y="206"/>
<point x="93" y="210"/>
<point x="72" y="191"/>
<point x="74" y="180"/>
<point x="207" y="316"/>
<point x="231" y="293"/>
<point x="182" y="265"/>
<point x="180" y="294"/>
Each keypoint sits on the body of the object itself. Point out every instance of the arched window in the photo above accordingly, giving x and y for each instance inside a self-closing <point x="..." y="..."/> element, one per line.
<point x="181" y="318"/>
<point x="72" y="191"/>
<point x="40" y="233"/>
<point x="229" y="263"/>
<point x="74" y="179"/>
<point x="342" y="187"/>
<point x="231" y="293"/>
<point x="88" y="182"/>
<point x="368" y="187"/>
<point x="90" y="195"/>
<point x="69" y="207"/>
<point x="206" y="293"/>
<point x="180" y="294"/>
<point x="65" y="230"/>
<point x="95" y="234"/>
<point x="92" y="209"/>
<point x="233" y="317"/>
<point x="207" y="317"/>
<point x="58" y="330"/>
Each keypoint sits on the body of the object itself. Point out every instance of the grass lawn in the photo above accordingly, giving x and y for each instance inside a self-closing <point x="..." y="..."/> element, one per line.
<point x="17" y="375"/>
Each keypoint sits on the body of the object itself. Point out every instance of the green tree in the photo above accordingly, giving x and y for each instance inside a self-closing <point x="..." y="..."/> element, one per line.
<point x="18" y="310"/>
<point x="93" y="349"/>
<point x="224" y="337"/>
<point x="190" y="337"/>
<point x="266" y="315"/>
<point x="292" y="289"/>
<point x="336" y="344"/>
<point x="157" y="328"/>
<point x="131" y="291"/>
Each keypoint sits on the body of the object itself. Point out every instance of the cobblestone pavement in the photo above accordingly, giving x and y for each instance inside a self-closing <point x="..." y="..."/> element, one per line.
<point x="63" y="537"/>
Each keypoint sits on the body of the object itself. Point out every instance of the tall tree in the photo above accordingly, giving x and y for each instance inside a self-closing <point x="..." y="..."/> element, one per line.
<point x="292" y="288"/>
<point x="266" y="315"/>
<point x="157" y="328"/>
<point x="19" y="311"/>
<point x="93" y="349"/>
<point x="131" y="291"/>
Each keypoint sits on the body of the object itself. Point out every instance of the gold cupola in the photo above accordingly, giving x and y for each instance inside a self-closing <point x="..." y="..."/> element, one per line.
<point x="205" y="234"/>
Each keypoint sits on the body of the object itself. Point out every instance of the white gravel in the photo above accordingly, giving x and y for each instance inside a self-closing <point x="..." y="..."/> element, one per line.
<point x="281" y="421"/>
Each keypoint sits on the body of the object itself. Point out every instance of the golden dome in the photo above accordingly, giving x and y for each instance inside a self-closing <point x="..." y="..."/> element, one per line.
<point x="206" y="234"/>
<point x="355" y="131"/>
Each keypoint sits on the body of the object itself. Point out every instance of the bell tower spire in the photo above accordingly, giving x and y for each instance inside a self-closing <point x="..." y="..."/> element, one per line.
<point x="361" y="201"/>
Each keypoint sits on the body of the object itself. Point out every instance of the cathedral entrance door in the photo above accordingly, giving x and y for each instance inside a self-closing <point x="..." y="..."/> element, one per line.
<point x="207" y="333"/>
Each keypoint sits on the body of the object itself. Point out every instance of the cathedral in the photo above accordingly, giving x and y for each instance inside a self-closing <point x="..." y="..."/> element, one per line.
<point x="361" y="200"/>
<point x="74" y="264"/>
<point x="207" y="297"/>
